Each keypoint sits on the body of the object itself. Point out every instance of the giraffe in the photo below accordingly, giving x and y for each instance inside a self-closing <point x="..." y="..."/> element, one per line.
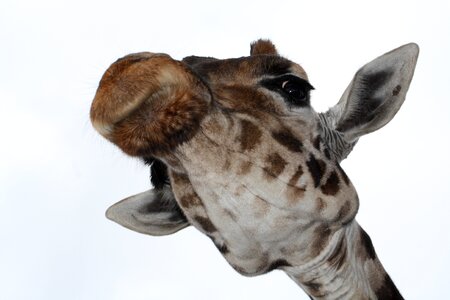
<point x="237" y="151"/>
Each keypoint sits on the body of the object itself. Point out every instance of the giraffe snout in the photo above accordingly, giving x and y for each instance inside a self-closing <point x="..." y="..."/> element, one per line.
<point x="148" y="103"/>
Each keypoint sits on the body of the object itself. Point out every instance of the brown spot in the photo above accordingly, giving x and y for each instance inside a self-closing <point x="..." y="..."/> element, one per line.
<point x="288" y="140"/>
<point x="250" y="135"/>
<point x="366" y="251"/>
<point x="322" y="235"/>
<point x="339" y="254"/>
<point x="331" y="187"/>
<point x="222" y="248"/>
<point x="316" y="143"/>
<point x="388" y="290"/>
<point x="397" y="90"/>
<point x="343" y="212"/>
<point x="205" y="224"/>
<point x="316" y="168"/>
<point x="189" y="200"/>
<point x="327" y="153"/>
<point x="294" y="193"/>
<point x="298" y="173"/>
<point x="179" y="178"/>
<point x="245" y="168"/>
<point x="275" y="164"/>
<point x="321" y="204"/>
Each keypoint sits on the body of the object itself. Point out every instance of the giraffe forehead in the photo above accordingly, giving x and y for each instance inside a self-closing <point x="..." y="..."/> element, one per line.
<point x="250" y="68"/>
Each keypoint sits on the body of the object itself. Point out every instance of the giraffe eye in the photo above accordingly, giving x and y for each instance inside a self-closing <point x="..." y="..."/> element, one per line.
<point x="295" y="90"/>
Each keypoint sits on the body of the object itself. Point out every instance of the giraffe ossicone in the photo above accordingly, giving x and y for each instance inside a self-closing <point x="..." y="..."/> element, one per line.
<point x="237" y="151"/>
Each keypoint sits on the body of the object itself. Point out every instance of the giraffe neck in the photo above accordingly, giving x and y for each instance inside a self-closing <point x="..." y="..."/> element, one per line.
<point x="348" y="268"/>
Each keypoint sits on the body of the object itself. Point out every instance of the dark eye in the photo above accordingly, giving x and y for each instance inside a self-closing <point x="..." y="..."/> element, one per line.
<point x="294" y="89"/>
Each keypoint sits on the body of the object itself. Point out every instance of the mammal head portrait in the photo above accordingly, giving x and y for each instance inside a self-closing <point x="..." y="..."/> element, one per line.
<point x="237" y="150"/>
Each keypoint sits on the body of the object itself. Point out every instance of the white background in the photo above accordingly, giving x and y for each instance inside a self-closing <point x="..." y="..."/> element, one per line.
<point x="57" y="176"/>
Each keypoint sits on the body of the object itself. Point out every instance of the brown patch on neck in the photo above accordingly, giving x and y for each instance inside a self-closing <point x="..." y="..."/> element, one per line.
<point x="288" y="140"/>
<point x="189" y="200"/>
<point x="205" y="224"/>
<point x="317" y="142"/>
<point x="327" y="153"/>
<point x="388" y="290"/>
<point x="331" y="187"/>
<point x="275" y="165"/>
<point x="316" y="168"/>
<point x="321" y="204"/>
<point x="179" y="178"/>
<point x="366" y="249"/>
<point x="293" y="192"/>
<point x="380" y="282"/>
<point x="250" y="135"/>
<point x="223" y="248"/>
<point x="296" y="176"/>
<point x="244" y="168"/>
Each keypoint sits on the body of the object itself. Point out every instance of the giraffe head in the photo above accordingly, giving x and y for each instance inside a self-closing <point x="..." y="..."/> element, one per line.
<point x="238" y="151"/>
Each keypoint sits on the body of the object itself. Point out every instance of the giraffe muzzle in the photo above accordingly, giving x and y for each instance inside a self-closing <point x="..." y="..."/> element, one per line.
<point x="148" y="103"/>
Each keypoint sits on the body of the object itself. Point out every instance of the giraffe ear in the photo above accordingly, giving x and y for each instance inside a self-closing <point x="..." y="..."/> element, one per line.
<point x="154" y="212"/>
<point x="371" y="100"/>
